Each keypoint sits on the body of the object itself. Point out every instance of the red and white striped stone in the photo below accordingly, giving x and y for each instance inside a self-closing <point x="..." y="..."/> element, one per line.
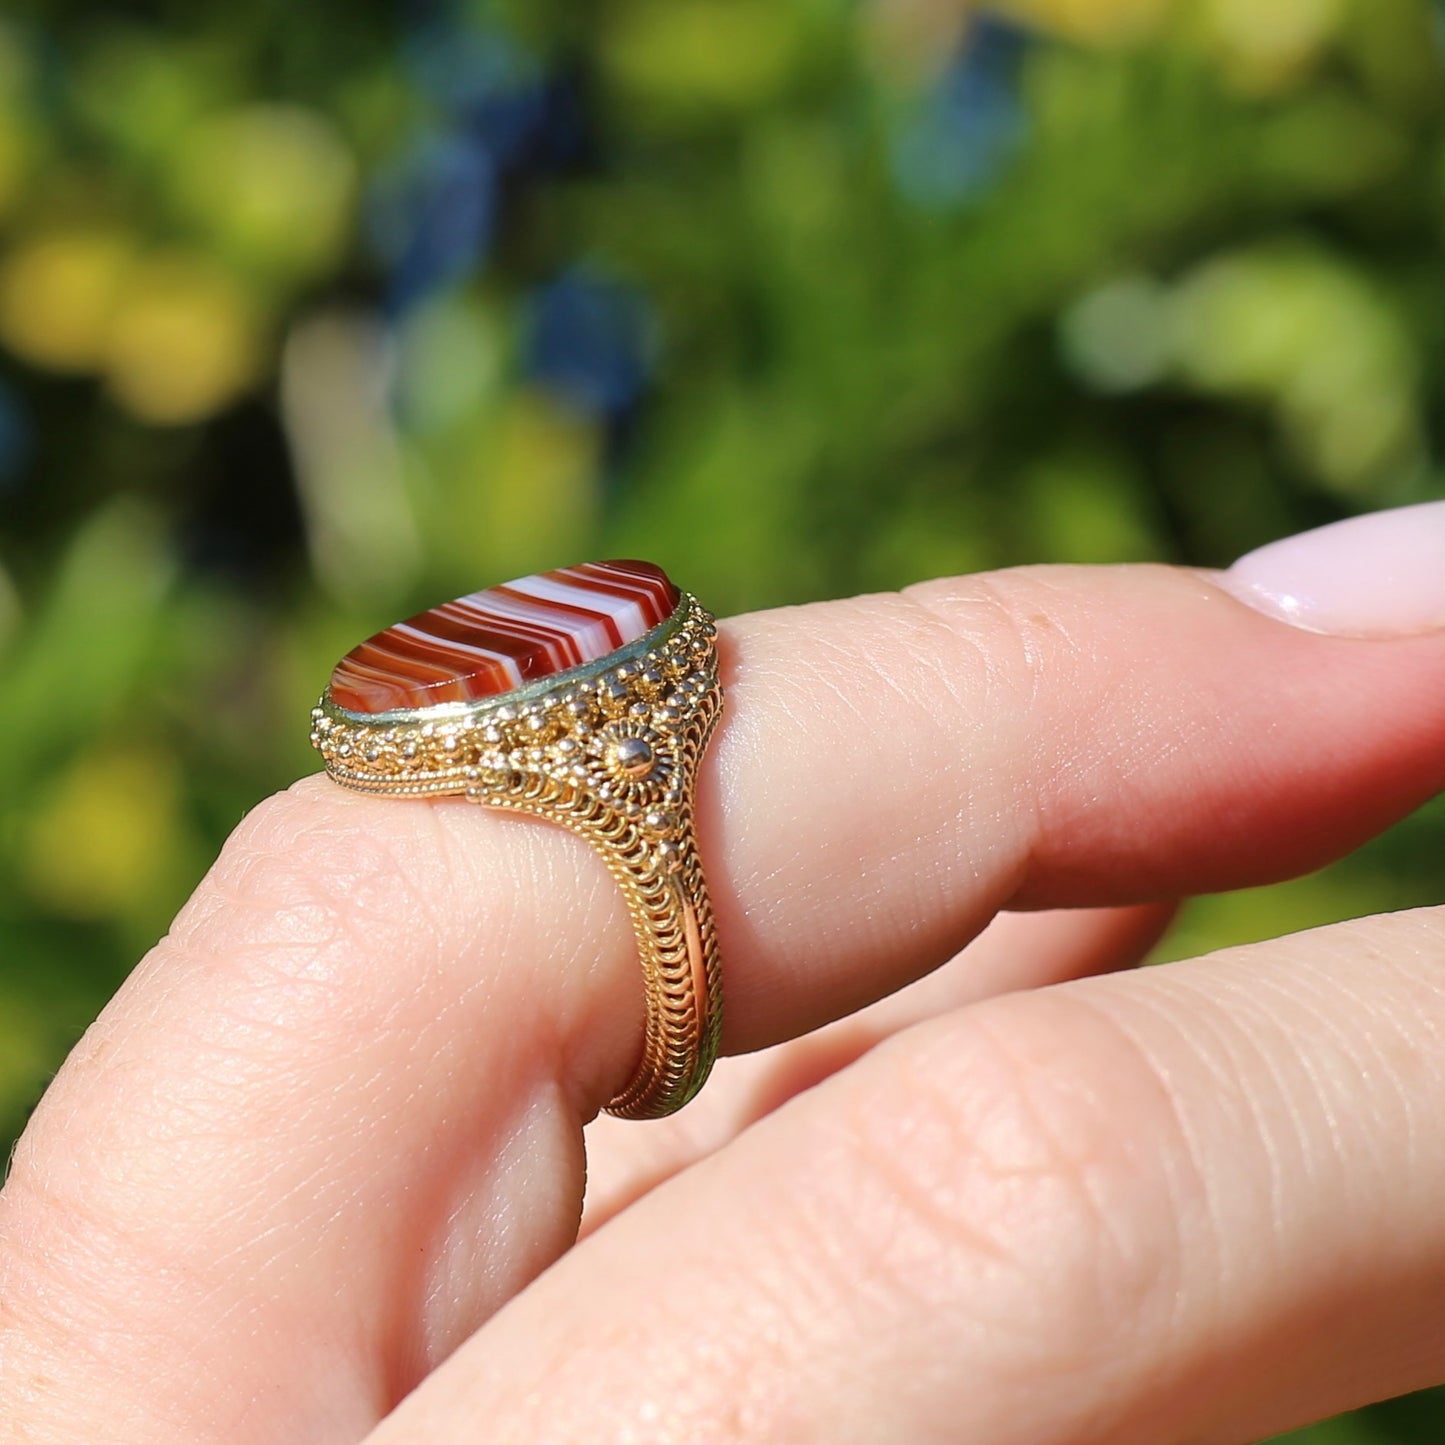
<point x="493" y="641"/>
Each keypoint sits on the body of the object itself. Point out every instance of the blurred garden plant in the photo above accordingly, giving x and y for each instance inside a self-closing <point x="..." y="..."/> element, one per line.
<point x="310" y="316"/>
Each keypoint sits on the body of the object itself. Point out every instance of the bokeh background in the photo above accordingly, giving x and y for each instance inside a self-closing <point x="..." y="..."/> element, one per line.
<point x="314" y="315"/>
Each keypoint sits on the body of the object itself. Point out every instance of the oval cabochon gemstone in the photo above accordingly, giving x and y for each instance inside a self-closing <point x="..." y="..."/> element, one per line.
<point x="494" y="641"/>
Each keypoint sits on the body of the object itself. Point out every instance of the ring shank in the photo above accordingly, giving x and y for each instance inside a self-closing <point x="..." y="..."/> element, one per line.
<point x="682" y="979"/>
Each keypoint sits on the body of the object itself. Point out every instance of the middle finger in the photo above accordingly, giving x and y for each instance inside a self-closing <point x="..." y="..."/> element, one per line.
<point x="1016" y="950"/>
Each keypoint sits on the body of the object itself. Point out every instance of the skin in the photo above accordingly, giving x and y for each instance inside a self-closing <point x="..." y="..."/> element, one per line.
<point x="317" y="1172"/>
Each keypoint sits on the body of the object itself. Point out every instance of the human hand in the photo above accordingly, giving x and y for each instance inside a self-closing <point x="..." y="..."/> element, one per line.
<point x="325" y="1148"/>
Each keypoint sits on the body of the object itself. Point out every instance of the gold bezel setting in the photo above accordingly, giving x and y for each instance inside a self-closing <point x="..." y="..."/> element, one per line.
<point x="549" y="728"/>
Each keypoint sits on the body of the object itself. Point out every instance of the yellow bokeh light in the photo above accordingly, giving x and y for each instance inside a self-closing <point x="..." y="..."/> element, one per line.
<point x="273" y="184"/>
<point x="185" y="341"/>
<point x="704" y="54"/>
<point x="1314" y="339"/>
<point x="102" y="842"/>
<point x="1266" y="46"/>
<point x="58" y="293"/>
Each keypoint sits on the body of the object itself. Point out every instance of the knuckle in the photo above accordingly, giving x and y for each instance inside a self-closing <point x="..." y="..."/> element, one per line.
<point x="1013" y="626"/>
<point x="1034" y="658"/>
<point x="308" y="884"/>
<point x="1005" y="647"/>
<point x="1005" y="1164"/>
<point x="278" y="981"/>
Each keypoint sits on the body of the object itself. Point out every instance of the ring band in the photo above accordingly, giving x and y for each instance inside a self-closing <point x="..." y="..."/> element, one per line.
<point x="587" y="696"/>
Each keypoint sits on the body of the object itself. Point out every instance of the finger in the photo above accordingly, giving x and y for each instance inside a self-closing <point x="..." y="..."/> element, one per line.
<point x="1199" y="1203"/>
<point x="1016" y="950"/>
<point x="1042" y="738"/>
<point x="342" y="1102"/>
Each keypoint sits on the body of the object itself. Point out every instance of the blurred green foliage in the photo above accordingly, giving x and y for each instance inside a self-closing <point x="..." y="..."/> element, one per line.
<point x="310" y="317"/>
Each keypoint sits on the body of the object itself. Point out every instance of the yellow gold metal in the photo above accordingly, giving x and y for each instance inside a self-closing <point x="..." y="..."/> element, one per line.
<point x="610" y="750"/>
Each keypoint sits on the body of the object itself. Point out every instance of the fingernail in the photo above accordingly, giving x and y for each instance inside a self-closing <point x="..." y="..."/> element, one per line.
<point x="1380" y="575"/>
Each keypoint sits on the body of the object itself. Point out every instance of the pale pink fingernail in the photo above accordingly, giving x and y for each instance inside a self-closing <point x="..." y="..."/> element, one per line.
<point x="1380" y="575"/>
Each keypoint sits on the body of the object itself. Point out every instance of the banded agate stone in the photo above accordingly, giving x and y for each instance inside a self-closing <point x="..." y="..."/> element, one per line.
<point x="494" y="641"/>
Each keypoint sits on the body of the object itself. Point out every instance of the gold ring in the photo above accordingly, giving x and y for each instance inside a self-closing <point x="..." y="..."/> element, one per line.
<point x="587" y="696"/>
